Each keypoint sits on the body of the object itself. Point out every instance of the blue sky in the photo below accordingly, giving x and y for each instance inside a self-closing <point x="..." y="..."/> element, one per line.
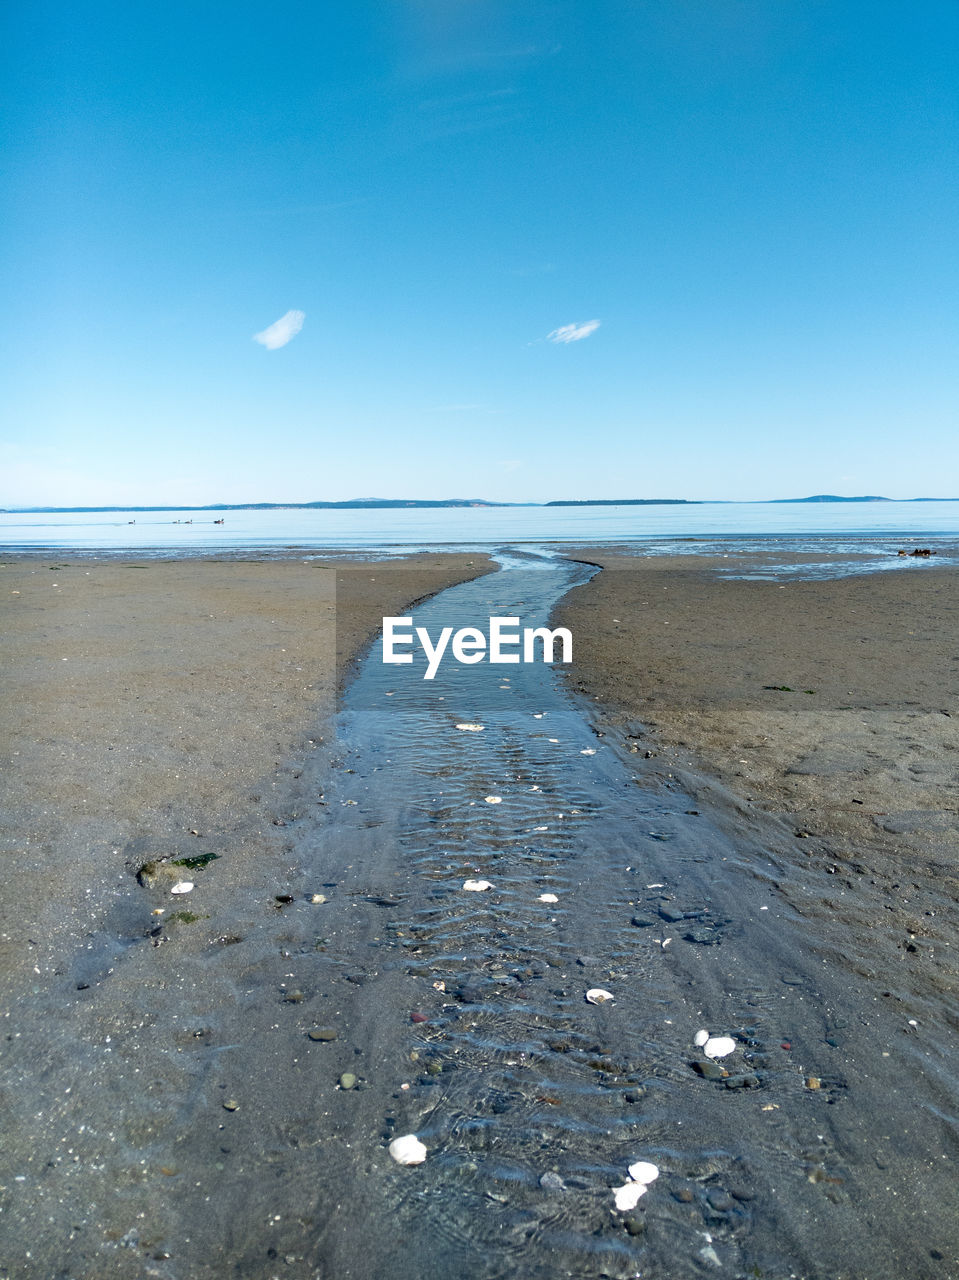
<point x="756" y="201"/>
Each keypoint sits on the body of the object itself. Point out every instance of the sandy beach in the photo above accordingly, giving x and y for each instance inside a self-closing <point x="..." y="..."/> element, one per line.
<point x="206" y="1085"/>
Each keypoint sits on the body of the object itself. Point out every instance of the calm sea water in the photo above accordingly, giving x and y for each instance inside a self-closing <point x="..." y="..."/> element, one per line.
<point x="183" y="532"/>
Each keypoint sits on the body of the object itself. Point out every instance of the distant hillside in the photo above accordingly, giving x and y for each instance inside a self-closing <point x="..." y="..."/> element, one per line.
<point x="622" y="502"/>
<point x="833" y="497"/>
<point x="351" y="503"/>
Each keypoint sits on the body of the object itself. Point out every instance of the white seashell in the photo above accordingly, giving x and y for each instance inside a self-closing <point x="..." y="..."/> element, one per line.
<point x="318" y="899"/>
<point x="548" y="897"/>
<point x="494" y="799"/>
<point x="700" y="1038"/>
<point x="644" y="1172"/>
<point x="184" y="886"/>
<point x="628" y="1195"/>
<point x="596" y="995"/>
<point x="476" y="886"/>
<point x="408" y="1150"/>
<point x="719" y="1046"/>
<point x="589" y="751"/>
<point x="471" y="728"/>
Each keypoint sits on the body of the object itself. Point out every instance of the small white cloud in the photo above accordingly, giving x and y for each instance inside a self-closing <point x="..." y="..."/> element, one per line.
<point x="573" y="332"/>
<point x="281" y="331"/>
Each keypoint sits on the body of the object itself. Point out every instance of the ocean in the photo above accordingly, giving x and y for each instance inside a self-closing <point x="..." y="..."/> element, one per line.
<point x="869" y="526"/>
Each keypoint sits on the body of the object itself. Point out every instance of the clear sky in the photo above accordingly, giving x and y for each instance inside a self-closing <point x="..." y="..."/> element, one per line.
<point x="512" y="249"/>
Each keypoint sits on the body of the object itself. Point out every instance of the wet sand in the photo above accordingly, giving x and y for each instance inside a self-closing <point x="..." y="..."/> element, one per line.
<point x="145" y="699"/>
<point x="857" y="755"/>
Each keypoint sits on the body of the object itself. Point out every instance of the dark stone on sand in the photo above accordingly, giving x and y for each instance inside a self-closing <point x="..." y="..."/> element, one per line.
<point x="720" y="1200"/>
<point x="708" y="1070"/>
<point x="587" y="962"/>
<point x="634" y="1095"/>
<point x="635" y="1224"/>
<point x="745" y="1081"/>
<point x="684" y="1195"/>
<point x="704" y="936"/>
<point x="671" y="915"/>
<point x="642" y="922"/>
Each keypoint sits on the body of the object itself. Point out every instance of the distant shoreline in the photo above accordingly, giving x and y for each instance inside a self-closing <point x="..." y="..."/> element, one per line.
<point x="379" y="504"/>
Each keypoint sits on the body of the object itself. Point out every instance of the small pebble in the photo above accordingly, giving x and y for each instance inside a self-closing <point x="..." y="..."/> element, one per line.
<point x="322" y="1034"/>
<point x="813" y="1082"/>
<point x="709" y="1070"/>
<point x="347" y="1080"/>
<point x="231" y="1105"/>
<point x="720" y="1200"/>
<point x="747" y="1081"/>
<point x="552" y="1182"/>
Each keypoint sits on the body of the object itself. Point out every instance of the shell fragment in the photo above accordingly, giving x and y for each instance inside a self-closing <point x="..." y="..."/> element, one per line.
<point x="628" y="1195"/>
<point x="408" y="1150"/>
<point x="476" y="886"/>
<point x="471" y="728"/>
<point x="719" y="1046"/>
<point x="596" y="995"/>
<point x="700" y="1038"/>
<point x="548" y="897"/>
<point x="184" y="886"/>
<point x="641" y="1174"/>
<point x="494" y="799"/>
